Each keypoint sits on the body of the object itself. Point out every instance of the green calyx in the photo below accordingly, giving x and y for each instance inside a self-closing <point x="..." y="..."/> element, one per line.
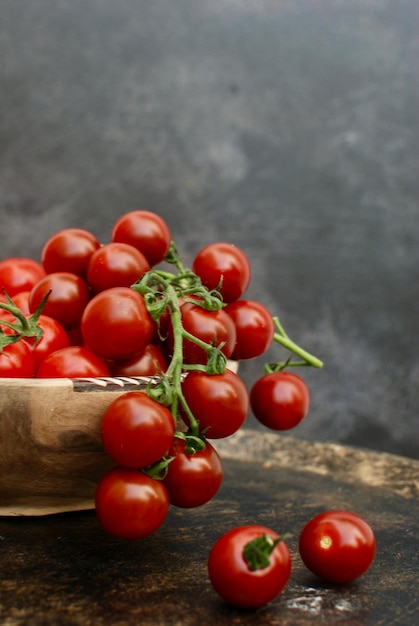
<point x="23" y="326"/>
<point x="257" y="552"/>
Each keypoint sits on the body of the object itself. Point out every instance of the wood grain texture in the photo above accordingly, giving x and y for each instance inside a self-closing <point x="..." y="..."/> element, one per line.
<point x="51" y="456"/>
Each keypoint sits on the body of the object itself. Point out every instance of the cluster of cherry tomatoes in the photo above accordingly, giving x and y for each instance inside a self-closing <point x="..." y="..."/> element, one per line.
<point x="130" y="308"/>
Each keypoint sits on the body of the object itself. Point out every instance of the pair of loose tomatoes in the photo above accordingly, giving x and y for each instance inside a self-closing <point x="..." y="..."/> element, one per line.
<point x="249" y="566"/>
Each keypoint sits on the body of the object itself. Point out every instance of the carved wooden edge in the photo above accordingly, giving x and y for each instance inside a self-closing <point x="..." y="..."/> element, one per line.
<point x="345" y="463"/>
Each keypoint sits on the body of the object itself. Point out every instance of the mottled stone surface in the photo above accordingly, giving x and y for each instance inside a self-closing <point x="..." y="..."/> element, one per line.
<point x="290" y="127"/>
<point x="63" y="569"/>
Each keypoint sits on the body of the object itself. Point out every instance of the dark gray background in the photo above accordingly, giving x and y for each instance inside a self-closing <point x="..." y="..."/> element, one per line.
<point x="288" y="127"/>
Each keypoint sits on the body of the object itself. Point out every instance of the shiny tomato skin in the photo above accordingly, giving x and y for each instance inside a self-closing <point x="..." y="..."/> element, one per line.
<point x="72" y="362"/>
<point x="19" y="274"/>
<point x="337" y="546"/>
<point x="146" y="231"/>
<point x="67" y="300"/>
<point x="115" y="264"/>
<point x="254" y="328"/>
<point x="129" y="504"/>
<point x="149" y="362"/>
<point x="16" y="361"/>
<point x="192" y="479"/>
<point x="220" y="402"/>
<point x="136" y="430"/>
<point x="280" y="400"/>
<point x="54" y="338"/>
<point x="21" y="300"/>
<point x="224" y="262"/>
<point x="212" y="327"/>
<point x="116" y="324"/>
<point x="69" y="250"/>
<point x="234" y="581"/>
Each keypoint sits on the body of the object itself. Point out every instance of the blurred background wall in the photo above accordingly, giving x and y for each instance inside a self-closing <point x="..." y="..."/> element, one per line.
<point x="288" y="127"/>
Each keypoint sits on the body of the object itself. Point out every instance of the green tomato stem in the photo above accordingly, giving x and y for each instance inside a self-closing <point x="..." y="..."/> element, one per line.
<point x="283" y="339"/>
<point x="257" y="552"/>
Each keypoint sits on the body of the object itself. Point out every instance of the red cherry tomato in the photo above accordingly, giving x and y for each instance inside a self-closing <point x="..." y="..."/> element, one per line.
<point x="54" y="338"/>
<point x="69" y="250"/>
<point x="192" y="479"/>
<point x="19" y="274"/>
<point x="129" y="504"/>
<point x="254" y="328"/>
<point x="219" y="402"/>
<point x="115" y="265"/>
<point x="67" y="300"/>
<point x="280" y="400"/>
<point x="212" y="327"/>
<point x="231" y="575"/>
<point x="21" y="300"/>
<point x="146" y="231"/>
<point x="223" y="263"/>
<point x="337" y="546"/>
<point x="149" y="362"/>
<point x="116" y="324"/>
<point x="136" y="430"/>
<point x="16" y="361"/>
<point x="72" y="362"/>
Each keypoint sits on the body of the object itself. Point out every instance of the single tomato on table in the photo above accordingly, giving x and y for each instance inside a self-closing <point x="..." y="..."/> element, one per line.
<point x="249" y="566"/>
<point x="337" y="546"/>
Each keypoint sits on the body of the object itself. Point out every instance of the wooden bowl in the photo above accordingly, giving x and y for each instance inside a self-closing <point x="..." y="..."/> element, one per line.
<point x="51" y="457"/>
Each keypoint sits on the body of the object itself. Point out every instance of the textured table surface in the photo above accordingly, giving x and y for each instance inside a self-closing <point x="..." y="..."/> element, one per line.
<point x="63" y="569"/>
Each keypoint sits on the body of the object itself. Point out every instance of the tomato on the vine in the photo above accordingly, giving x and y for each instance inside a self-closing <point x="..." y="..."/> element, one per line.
<point x="54" y="337"/>
<point x="224" y="266"/>
<point x="72" y="362"/>
<point x="212" y="327"/>
<point x="17" y="361"/>
<point x="130" y="504"/>
<point x="254" y="328"/>
<point x="116" y="324"/>
<point x="19" y="274"/>
<point x="249" y="566"/>
<point x="69" y="295"/>
<point x="337" y="546"/>
<point x="136" y="430"/>
<point x="115" y="264"/>
<point x="69" y="250"/>
<point x="280" y="400"/>
<point x="146" y="231"/>
<point x="219" y="402"/>
<point x="192" y="479"/>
